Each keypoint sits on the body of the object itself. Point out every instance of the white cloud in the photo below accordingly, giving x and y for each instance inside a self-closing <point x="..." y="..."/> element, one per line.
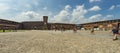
<point x="50" y="14"/>
<point x="66" y="16"/>
<point x="108" y="17"/>
<point x="67" y="7"/>
<point x="118" y="6"/>
<point x="99" y="17"/>
<point x="112" y="7"/>
<point x="95" y="8"/>
<point x="4" y="7"/>
<point x="63" y="16"/>
<point x="35" y="2"/>
<point x="5" y="0"/>
<point x="95" y="16"/>
<point x="79" y="10"/>
<point x="28" y="5"/>
<point x="45" y="8"/>
<point x="94" y="1"/>
<point x="29" y="16"/>
<point x="78" y="14"/>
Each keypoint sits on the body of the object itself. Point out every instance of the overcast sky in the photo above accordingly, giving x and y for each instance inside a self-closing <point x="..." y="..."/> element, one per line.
<point x="62" y="11"/>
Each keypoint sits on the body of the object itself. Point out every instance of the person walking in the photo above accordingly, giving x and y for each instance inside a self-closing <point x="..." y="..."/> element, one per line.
<point x="92" y="31"/>
<point x="74" y="29"/>
<point x="115" y="31"/>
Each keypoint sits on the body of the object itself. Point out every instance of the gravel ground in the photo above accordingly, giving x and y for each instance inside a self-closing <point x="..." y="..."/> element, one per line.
<point x="36" y="41"/>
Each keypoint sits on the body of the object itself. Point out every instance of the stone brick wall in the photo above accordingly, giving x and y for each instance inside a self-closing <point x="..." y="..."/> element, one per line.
<point x="32" y="25"/>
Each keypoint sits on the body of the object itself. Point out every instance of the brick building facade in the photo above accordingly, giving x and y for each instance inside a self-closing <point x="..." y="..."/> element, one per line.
<point x="32" y="25"/>
<point x="6" y="24"/>
<point x="107" y="24"/>
<point x="45" y="25"/>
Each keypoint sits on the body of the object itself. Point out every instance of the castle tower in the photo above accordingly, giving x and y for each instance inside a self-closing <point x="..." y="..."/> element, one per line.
<point x="45" y="21"/>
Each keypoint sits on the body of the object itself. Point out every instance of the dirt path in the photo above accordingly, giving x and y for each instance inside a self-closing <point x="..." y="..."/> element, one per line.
<point x="57" y="42"/>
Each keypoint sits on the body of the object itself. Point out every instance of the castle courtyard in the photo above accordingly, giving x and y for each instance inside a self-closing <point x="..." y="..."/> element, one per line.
<point x="38" y="41"/>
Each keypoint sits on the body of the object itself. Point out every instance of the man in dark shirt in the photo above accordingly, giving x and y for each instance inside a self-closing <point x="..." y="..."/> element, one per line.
<point x="115" y="33"/>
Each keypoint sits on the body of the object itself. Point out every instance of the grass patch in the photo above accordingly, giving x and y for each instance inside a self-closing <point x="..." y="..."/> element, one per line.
<point x="7" y="30"/>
